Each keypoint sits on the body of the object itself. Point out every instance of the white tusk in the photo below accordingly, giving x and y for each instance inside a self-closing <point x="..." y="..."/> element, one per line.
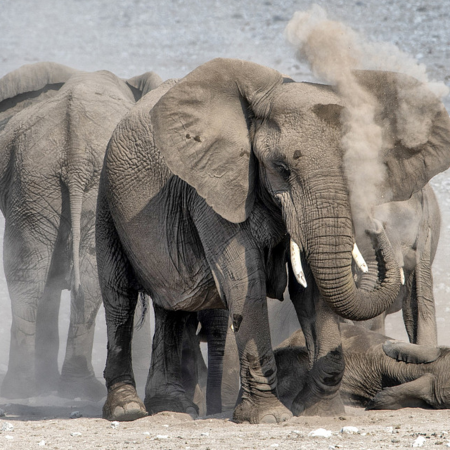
<point x="402" y="275"/>
<point x="359" y="260"/>
<point x="297" y="264"/>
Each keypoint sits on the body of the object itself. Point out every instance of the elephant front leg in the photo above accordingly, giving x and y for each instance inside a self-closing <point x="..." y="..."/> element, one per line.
<point x="259" y="402"/>
<point x="164" y="390"/>
<point x="320" y="394"/>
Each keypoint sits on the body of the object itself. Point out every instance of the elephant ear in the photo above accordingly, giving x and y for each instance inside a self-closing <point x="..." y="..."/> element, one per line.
<point x="416" y="129"/>
<point x="411" y="353"/>
<point x="143" y="84"/>
<point x="201" y="127"/>
<point x="28" y="85"/>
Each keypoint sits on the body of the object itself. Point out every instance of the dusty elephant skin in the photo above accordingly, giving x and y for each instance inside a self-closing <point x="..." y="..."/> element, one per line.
<point x="413" y="228"/>
<point x="379" y="373"/>
<point x="55" y="123"/>
<point x="199" y="200"/>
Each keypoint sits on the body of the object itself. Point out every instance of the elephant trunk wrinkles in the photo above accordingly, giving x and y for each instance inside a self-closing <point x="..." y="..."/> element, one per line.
<point x="327" y="237"/>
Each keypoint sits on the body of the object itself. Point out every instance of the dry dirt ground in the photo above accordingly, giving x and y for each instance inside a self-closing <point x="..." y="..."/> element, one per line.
<point x="51" y="427"/>
<point x="172" y="37"/>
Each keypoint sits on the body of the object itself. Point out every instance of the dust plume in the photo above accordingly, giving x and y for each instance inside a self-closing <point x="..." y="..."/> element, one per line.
<point x="333" y="51"/>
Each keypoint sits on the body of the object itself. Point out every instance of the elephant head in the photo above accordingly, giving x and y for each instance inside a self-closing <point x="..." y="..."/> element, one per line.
<point x="237" y="131"/>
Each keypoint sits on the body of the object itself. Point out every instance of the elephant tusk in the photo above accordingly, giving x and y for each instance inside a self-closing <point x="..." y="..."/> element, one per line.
<point x="402" y="276"/>
<point x="297" y="264"/>
<point x="359" y="260"/>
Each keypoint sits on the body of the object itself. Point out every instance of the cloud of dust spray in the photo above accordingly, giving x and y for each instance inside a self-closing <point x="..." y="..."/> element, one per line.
<point x="334" y="51"/>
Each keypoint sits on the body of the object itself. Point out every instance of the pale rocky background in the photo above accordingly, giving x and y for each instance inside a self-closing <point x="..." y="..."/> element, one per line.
<point x="172" y="37"/>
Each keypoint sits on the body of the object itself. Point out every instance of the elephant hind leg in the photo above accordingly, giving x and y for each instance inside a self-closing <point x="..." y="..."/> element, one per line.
<point x="77" y="375"/>
<point x="120" y="293"/>
<point x="27" y="264"/>
<point x="47" y="338"/>
<point x="419" y="393"/>
<point x="165" y="390"/>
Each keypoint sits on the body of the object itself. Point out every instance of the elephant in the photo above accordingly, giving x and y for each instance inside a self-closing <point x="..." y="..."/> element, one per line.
<point x="379" y="373"/>
<point x="206" y="185"/>
<point x="413" y="228"/>
<point x="55" y="123"/>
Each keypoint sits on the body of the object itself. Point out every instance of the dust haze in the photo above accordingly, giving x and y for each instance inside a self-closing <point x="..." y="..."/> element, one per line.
<point x="334" y="51"/>
<point x="172" y="38"/>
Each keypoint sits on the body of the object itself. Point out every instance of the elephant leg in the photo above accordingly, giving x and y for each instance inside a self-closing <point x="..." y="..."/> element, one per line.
<point x="47" y="337"/>
<point x="419" y="313"/>
<point x="26" y="266"/>
<point x="214" y="328"/>
<point x="230" y="376"/>
<point x="320" y="325"/>
<point x="193" y="367"/>
<point x="426" y="311"/>
<point x="238" y="268"/>
<point x="119" y="299"/>
<point x="78" y="379"/>
<point x="419" y="393"/>
<point x="259" y="402"/>
<point x="164" y="390"/>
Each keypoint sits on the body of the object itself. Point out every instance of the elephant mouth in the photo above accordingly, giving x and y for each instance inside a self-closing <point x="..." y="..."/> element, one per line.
<point x="297" y="262"/>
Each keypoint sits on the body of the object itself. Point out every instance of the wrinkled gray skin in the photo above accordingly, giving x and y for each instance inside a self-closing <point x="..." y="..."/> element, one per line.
<point x="212" y="388"/>
<point x="379" y="373"/>
<point x="198" y="200"/>
<point x="413" y="228"/>
<point x="55" y="123"/>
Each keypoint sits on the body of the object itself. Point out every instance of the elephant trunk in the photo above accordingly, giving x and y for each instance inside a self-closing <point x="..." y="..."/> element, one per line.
<point x="327" y="240"/>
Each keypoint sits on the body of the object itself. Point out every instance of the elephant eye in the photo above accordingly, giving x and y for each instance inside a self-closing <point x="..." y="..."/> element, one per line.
<point x="282" y="169"/>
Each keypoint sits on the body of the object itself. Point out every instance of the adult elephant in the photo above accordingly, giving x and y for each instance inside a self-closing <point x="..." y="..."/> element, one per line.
<point x="413" y="228"/>
<point x="379" y="373"/>
<point x="55" y="123"/>
<point x="203" y="185"/>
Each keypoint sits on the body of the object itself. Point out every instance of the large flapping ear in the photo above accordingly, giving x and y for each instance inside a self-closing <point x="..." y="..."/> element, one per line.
<point x="411" y="353"/>
<point x="416" y="129"/>
<point x="201" y="127"/>
<point x="142" y="84"/>
<point x="28" y="85"/>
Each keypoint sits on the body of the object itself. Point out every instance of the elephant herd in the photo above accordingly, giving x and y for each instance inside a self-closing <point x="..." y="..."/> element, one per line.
<point x="209" y="194"/>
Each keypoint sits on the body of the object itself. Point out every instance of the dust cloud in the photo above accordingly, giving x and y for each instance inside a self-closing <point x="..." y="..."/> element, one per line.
<point x="334" y="51"/>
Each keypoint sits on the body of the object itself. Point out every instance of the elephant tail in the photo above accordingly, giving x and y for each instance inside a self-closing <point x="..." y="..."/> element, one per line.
<point x="76" y="202"/>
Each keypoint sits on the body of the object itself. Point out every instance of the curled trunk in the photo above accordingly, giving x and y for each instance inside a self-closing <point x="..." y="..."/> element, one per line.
<point x="327" y="240"/>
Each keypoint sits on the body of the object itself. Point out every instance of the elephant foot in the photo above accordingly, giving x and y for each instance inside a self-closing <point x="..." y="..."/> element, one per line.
<point x="261" y="409"/>
<point x="16" y="385"/>
<point x="123" y="403"/>
<point x="331" y="406"/>
<point x="180" y="404"/>
<point x="88" y="388"/>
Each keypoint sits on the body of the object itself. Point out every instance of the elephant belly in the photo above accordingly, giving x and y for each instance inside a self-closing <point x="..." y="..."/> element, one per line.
<point x="169" y="261"/>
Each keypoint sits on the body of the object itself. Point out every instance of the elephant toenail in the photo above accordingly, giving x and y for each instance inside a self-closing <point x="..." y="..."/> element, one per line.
<point x="269" y="419"/>
<point x="118" y="412"/>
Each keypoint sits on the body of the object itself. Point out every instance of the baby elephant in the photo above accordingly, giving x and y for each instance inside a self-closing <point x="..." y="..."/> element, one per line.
<point x="379" y="373"/>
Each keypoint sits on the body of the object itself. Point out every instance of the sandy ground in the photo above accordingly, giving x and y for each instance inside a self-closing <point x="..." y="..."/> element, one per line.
<point x="28" y="427"/>
<point x="172" y="37"/>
